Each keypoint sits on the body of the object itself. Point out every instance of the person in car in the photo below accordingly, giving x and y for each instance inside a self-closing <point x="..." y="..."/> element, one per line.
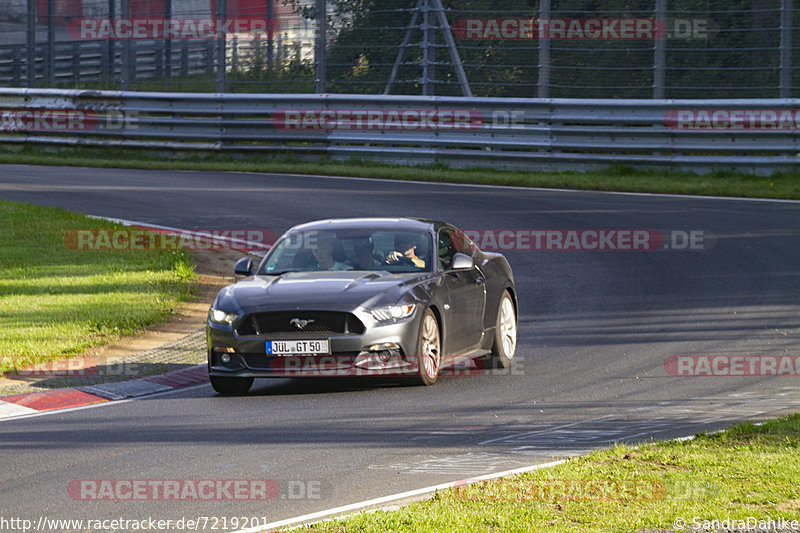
<point x="405" y="251"/>
<point x="324" y="254"/>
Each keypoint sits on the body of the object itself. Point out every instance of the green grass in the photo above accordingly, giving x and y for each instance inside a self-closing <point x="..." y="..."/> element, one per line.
<point x="747" y="471"/>
<point x="785" y="185"/>
<point x="56" y="301"/>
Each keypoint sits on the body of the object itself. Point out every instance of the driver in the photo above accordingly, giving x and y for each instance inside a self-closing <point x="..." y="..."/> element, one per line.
<point x="405" y="250"/>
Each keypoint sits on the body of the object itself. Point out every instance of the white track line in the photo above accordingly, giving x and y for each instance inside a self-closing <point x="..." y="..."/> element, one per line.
<point x="107" y="403"/>
<point x="370" y="505"/>
<point x="346" y="510"/>
<point x="9" y="410"/>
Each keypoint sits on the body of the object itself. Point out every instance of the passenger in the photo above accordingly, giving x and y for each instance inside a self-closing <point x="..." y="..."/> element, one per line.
<point x="324" y="253"/>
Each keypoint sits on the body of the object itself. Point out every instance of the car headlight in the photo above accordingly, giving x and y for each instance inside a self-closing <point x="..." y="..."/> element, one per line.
<point x="393" y="312"/>
<point x="221" y="317"/>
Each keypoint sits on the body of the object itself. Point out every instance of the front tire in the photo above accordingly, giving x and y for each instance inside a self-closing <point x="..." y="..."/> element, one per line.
<point x="231" y="386"/>
<point x="429" y="349"/>
<point x="505" y="333"/>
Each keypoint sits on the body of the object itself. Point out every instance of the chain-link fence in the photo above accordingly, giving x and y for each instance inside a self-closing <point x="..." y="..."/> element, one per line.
<point x="507" y="48"/>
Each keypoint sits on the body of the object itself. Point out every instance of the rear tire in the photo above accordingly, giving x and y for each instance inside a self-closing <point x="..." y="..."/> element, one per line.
<point x="429" y="349"/>
<point x="231" y="386"/>
<point x="505" y="333"/>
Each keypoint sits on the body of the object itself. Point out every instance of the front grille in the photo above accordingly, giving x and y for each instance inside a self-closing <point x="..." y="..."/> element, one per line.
<point x="315" y="323"/>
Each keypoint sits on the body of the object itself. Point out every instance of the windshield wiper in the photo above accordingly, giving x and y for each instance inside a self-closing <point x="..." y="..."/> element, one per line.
<point x="278" y="272"/>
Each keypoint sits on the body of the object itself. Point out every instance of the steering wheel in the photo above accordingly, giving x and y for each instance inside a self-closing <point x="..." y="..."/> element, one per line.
<point x="400" y="260"/>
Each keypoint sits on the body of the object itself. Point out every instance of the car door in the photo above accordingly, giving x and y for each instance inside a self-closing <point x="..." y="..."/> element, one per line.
<point x="466" y="292"/>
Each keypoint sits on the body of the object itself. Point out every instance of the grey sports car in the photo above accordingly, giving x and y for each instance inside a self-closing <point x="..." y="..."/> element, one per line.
<point x="362" y="297"/>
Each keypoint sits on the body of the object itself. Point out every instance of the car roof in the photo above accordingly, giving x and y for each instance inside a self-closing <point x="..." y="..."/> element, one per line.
<point x="376" y="223"/>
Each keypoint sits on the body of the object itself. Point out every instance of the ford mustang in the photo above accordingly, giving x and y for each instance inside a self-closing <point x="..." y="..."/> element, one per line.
<point x="362" y="297"/>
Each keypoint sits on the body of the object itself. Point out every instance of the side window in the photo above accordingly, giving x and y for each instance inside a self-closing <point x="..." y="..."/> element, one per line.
<point x="446" y="249"/>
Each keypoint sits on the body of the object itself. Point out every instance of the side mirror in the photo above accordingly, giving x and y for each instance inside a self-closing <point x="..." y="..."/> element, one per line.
<point x="462" y="262"/>
<point x="243" y="267"/>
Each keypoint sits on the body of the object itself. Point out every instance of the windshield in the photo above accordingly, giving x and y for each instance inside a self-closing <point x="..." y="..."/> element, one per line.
<point x="350" y="249"/>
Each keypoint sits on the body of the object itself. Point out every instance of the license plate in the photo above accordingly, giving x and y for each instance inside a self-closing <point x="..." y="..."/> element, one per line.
<point x="304" y="347"/>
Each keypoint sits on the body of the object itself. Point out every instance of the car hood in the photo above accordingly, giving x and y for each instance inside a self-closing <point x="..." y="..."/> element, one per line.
<point x="318" y="290"/>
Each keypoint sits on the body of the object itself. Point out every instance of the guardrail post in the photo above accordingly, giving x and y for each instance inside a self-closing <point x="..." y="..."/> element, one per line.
<point x="544" y="50"/>
<point x="786" y="49"/>
<point x="30" y="64"/>
<point x="320" y="46"/>
<point x="660" y="53"/>
<point x="222" y="14"/>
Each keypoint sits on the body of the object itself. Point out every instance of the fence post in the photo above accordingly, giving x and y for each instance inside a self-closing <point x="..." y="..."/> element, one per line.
<point x="110" y="52"/>
<point x="76" y="62"/>
<point x="104" y="66"/>
<point x="185" y="58"/>
<point x="321" y="46"/>
<point x="167" y="41"/>
<point x="270" y="34"/>
<point x="16" y="65"/>
<point x="222" y="14"/>
<point x="31" y="43"/>
<point x="786" y="49"/>
<point x="660" y="52"/>
<point x="235" y="54"/>
<point x="544" y="50"/>
<point x="428" y="51"/>
<point x="51" y="45"/>
<point x="125" y="68"/>
<point x="158" y="58"/>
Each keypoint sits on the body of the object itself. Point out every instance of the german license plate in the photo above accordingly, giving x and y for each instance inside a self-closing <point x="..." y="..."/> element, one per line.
<point x="304" y="347"/>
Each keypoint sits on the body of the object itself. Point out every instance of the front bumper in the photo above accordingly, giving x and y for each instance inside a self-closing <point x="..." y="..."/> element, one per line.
<point x="381" y="350"/>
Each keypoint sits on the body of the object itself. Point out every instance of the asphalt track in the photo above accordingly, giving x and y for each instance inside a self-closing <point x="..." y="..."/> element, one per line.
<point x="595" y="331"/>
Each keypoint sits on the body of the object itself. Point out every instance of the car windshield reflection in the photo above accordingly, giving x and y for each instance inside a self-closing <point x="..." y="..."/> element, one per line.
<point x="357" y="249"/>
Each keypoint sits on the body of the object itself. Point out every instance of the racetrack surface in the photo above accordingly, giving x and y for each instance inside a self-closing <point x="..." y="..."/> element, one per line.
<point x="596" y="329"/>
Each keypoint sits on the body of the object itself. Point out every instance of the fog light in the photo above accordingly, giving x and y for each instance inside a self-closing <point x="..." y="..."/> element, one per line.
<point x="225" y="358"/>
<point x="385" y="347"/>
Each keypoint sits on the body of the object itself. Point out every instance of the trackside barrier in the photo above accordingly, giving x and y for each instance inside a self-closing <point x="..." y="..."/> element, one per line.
<point x="760" y="136"/>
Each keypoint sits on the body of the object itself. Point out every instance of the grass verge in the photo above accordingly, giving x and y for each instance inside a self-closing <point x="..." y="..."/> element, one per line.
<point x="56" y="302"/>
<point x="745" y="475"/>
<point x="784" y="186"/>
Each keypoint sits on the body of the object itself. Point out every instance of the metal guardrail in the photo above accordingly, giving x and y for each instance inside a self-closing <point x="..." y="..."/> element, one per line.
<point x="761" y="136"/>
